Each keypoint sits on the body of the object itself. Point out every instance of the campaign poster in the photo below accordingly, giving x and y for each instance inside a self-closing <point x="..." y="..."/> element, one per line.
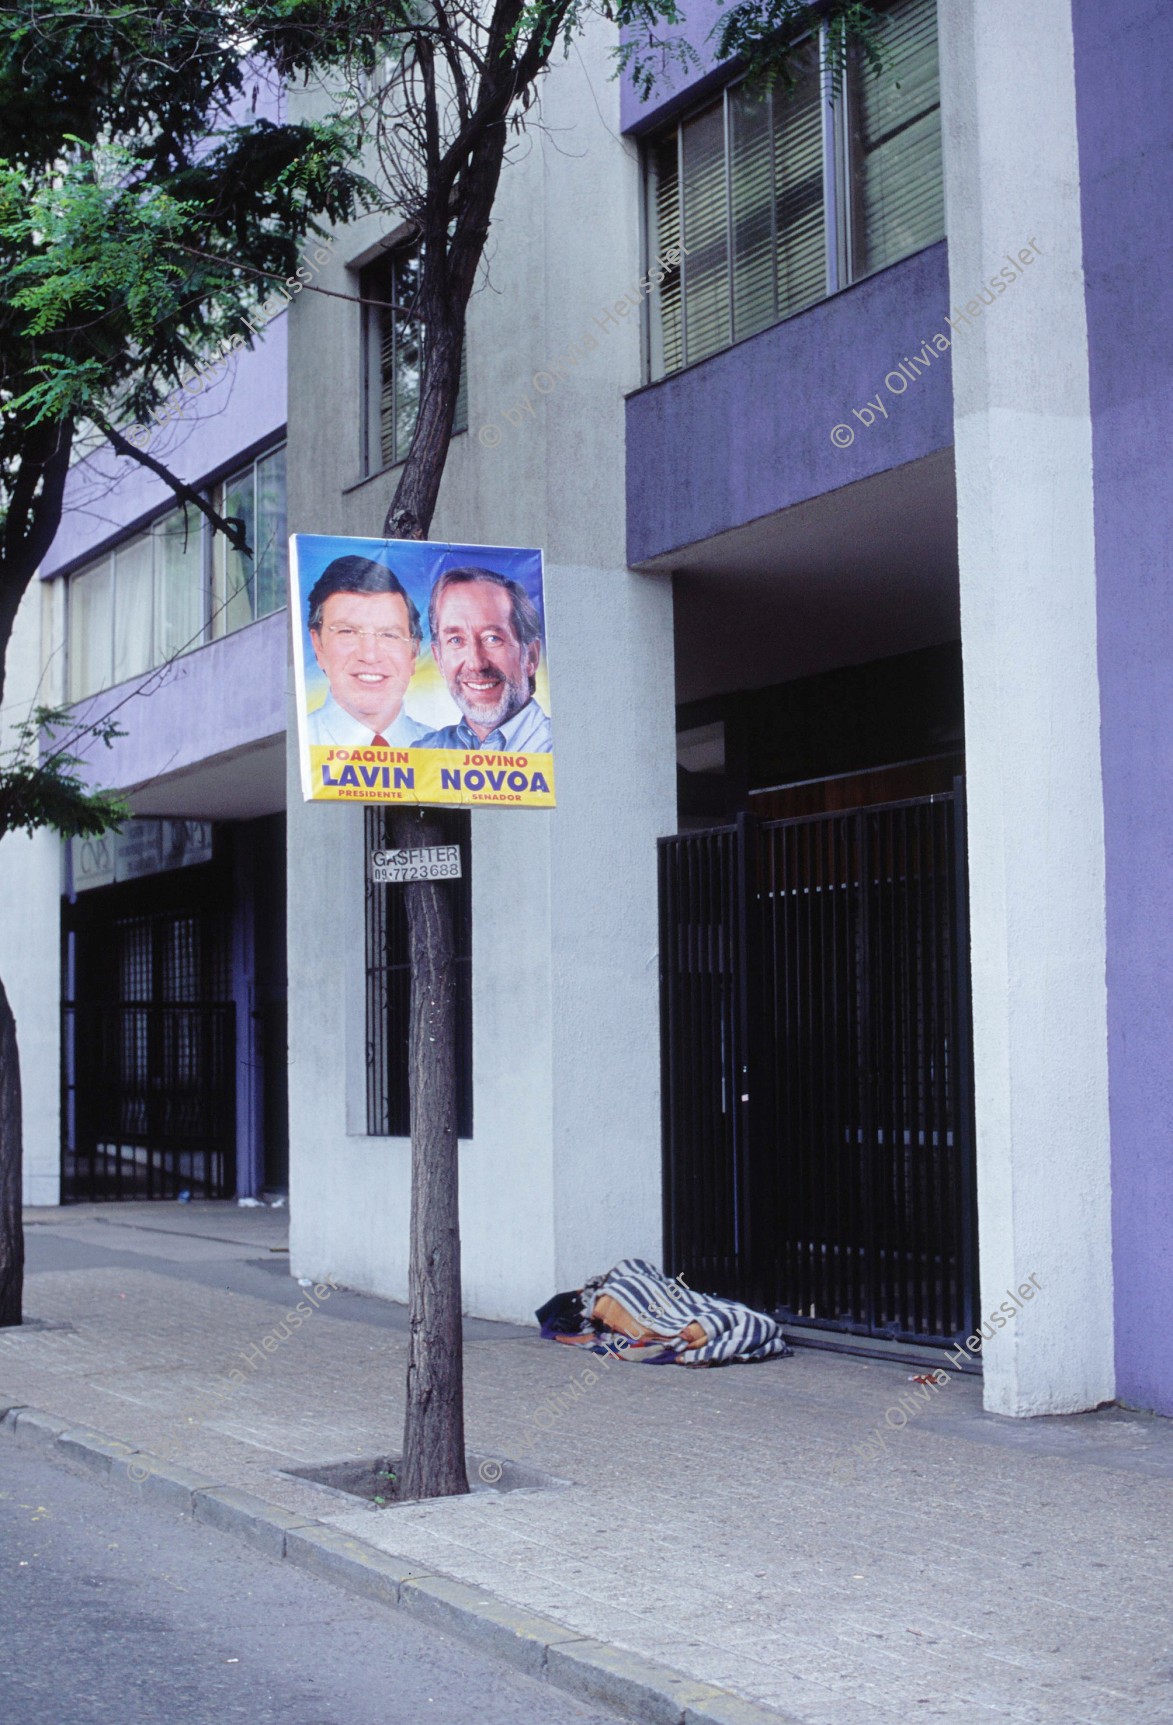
<point x="421" y="672"/>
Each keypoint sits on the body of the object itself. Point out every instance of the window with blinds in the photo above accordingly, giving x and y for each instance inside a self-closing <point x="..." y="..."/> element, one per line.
<point x="897" y="189"/>
<point x="394" y="349"/>
<point x="743" y="187"/>
<point x="667" y="302"/>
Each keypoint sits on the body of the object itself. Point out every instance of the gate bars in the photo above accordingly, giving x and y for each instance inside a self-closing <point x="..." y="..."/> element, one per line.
<point x="148" y="1040"/>
<point x="816" y="1068"/>
<point x="149" y="1100"/>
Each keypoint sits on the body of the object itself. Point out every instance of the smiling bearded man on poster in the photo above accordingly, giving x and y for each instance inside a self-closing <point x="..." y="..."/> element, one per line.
<point x="366" y="634"/>
<point x="487" y="641"/>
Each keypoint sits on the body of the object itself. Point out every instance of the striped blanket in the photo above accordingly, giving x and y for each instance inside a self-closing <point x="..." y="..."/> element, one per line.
<point x="686" y="1328"/>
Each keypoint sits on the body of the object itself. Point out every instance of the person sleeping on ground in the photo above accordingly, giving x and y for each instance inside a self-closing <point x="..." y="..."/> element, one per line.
<point x="636" y="1311"/>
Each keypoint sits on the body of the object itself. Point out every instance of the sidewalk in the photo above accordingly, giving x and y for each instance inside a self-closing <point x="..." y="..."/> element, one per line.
<point x="976" y="1570"/>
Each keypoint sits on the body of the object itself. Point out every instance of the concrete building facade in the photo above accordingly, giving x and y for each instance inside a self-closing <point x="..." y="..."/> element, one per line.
<point x="960" y="513"/>
<point x="561" y="1174"/>
<point x="147" y="968"/>
<point x="855" y="518"/>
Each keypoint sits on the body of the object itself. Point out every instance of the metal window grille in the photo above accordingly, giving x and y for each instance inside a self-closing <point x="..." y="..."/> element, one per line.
<point x="148" y="1053"/>
<point x="388" y="993"/>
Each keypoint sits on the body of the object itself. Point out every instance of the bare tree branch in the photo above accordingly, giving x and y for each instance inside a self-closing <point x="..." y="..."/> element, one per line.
<point x="231" y="526"/>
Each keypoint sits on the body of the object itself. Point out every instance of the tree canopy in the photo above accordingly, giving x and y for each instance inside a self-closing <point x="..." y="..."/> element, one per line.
<point x="150" y="193"/>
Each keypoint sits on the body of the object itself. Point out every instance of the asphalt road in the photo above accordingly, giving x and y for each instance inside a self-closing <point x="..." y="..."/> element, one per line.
<point x="116" y="1612"/>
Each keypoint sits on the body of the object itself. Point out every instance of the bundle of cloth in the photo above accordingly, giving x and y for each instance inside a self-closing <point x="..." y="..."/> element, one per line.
<point x="637" y="1312"/>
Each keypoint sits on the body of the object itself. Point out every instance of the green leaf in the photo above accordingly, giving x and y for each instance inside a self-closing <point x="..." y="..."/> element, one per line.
<point x="40" y="781"/>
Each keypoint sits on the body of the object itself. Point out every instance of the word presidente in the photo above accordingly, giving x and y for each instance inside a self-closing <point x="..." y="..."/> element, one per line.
<point x="908" y="1406"/>
<point x="907" y="371"/>
<point x="491" y="435"/>
<point x="176" y="406"/>
<point x="212" y="1400"/>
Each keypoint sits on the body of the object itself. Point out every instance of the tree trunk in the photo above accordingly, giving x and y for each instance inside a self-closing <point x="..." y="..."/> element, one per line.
<point x="433" y="1432"/>
<point x="30" y="523"/>
<point x="11" y="1226"/>
<point x="410" y="513"/>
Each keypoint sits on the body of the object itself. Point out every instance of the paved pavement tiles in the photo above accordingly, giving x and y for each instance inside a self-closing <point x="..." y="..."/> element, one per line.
<point x="730" y="1541"/>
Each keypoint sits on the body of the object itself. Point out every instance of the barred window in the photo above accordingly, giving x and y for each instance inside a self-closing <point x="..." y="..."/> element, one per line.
<point x="780" y="197"/>
<point x="388" y="973"/>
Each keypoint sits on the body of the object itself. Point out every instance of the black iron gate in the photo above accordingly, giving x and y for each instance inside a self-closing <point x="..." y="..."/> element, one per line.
<point x="818" y="1101"/>
<point x="148" y="1043"/>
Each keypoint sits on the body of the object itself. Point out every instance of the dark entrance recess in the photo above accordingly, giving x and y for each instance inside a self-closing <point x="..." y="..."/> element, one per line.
<point x="263" y="844"/>
<point x="149" y="1039"/>
<point x="817" y="1087"/>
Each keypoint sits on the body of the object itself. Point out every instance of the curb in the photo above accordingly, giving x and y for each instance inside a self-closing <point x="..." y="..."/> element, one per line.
<point x="589" y="1670"/>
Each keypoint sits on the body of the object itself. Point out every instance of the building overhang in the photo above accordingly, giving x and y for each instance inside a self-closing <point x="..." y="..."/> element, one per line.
<point x="862" y="573"/>
<point x="205" y="734"/>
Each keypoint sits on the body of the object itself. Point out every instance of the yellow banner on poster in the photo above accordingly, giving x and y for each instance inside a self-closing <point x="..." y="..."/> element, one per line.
<point x="454" y="776"/>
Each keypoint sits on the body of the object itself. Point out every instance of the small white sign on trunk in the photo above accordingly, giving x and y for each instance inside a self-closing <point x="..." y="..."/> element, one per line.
<point x="429" y="862"/>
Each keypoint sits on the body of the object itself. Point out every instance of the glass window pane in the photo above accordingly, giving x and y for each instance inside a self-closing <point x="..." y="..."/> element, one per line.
<point x="179" y="584"/>
<point x="271" y="543"/>
<point x="383" y="327"/>
<point x="232" y="592"/>
<point x="134" y="609"/>
<point x="407" y="353"/>
<point x="752" y="196"/>
<point x="706" y="263"/>
<point x="407" y="385"/>
<point x="666" y="322"/>
<point x="897" y="186"/>
<point x="394" y="359"/>
<point x="798" y="186"/>
<point x="90" y="630"/>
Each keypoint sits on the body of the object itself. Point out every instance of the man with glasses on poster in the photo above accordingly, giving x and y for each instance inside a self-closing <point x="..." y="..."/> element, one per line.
<point x="366" y="634"/>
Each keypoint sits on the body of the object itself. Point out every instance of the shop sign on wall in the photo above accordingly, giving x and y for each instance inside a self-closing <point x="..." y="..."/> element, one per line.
<point x="140" y="848"/>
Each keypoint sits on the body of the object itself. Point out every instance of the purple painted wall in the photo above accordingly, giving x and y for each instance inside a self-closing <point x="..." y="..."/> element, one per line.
<point x="1125" y="119"/>
<point x="231" y="693"/>
<point x="218" y="700"/>
<point x="748" y="432"/>
<point x="241" y="407"/>
<point x="675" y="83"/>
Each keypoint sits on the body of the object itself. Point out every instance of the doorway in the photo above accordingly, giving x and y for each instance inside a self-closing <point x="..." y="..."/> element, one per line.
<point x="149" y="1041"/>
<point x="816" y="1067"/>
